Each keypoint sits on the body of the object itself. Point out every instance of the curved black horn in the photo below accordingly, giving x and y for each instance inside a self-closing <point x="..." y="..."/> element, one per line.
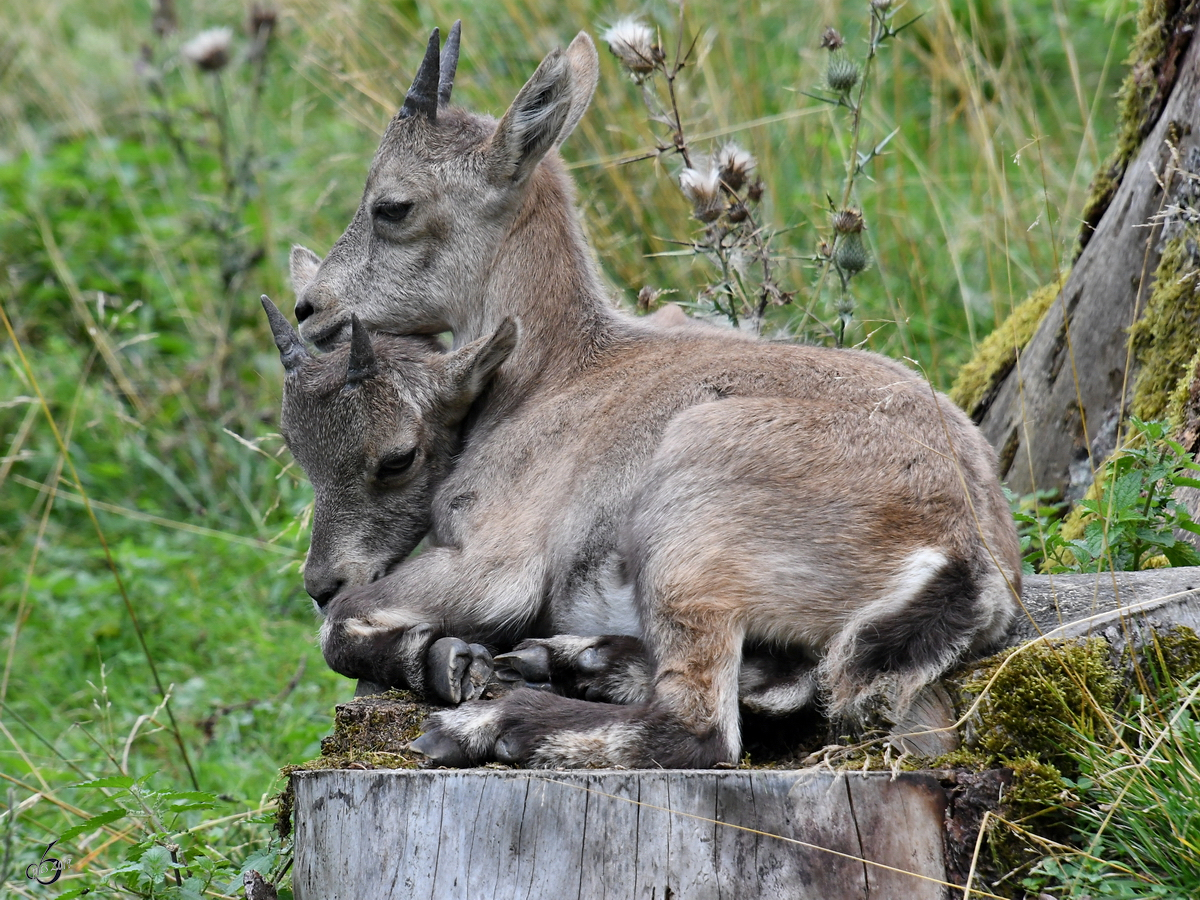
<point x="423" y="95"/>
<point x="292" y="351"/>
<point x="449" y="64"/>
<point x="362" y="354"/>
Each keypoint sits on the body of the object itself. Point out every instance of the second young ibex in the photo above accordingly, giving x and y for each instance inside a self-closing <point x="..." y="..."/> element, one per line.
<point x="698" y="489"/>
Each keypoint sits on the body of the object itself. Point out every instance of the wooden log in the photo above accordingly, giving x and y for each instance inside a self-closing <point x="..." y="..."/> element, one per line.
<point x="807" y="835"/>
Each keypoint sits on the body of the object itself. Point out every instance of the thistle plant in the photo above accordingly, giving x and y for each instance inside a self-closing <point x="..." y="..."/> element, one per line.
<point x="216" y="134"/>
<point x="845" y="85"/>
<point x="724" y="188"/>
<point x="721" y="187"/>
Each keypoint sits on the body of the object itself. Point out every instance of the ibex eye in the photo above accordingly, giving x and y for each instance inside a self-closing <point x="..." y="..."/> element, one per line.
<point x="395" y="464"/>
<point x="392" y="211"/>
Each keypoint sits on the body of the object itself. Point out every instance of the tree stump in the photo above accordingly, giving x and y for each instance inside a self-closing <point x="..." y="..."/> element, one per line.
<point x="806" y="835"/>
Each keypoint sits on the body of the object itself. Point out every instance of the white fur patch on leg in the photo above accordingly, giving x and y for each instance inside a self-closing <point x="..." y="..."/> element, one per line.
<point x="475" y="726"/>
<point x="614" y="744"/>
<point x="783" y="697"/>
<point x="378" y="621"/>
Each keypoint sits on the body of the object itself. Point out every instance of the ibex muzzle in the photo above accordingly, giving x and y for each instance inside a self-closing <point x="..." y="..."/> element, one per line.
<point x="693" y="488"/>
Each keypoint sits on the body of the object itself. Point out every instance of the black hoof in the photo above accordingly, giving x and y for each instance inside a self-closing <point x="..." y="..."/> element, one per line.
<point x="458" y="671"/>
<point x="530" y="664"/>
<point x="593" y="662"/>
<point x="440" y="749"/>
<point x="479" y="672"/>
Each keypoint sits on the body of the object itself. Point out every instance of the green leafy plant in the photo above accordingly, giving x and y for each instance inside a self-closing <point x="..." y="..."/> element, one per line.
<point x="170" y="856"/>
<point x="1131" y="522"/>
<point x="1039" y="525"/>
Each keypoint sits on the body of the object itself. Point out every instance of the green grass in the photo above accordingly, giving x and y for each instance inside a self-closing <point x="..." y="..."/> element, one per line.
<point x="162" y="380"/>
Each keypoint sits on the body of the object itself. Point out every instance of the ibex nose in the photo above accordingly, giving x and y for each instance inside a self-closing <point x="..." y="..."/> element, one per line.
<point x="323" y="589"/>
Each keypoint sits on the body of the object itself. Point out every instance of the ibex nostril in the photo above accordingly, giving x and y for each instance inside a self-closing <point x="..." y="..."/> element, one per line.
<point x="324" y="593"/>
<point x="304" y="309"/>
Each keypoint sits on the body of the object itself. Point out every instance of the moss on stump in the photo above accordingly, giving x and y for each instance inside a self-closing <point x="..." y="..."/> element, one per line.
<point x="996" y="355"/>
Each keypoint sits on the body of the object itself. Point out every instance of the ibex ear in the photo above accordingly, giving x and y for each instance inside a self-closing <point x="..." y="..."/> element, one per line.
<point x="304" y="265"/>
<point x="535" y="121"/>
<point x="469" y="368"/>
<point x="585" y="74"/>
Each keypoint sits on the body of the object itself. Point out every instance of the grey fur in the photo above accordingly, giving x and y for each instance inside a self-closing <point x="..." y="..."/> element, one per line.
<point x="694" y="487"/>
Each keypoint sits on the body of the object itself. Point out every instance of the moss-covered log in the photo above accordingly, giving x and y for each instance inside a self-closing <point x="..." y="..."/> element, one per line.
<point x="1053" y="407"/>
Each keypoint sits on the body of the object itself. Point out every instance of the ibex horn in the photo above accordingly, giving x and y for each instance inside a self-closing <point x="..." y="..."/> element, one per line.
<point x="292" y="351"/>
<point x="449" y="64"/>
<point x="423" y="95"/>
<point x="362" y="354"/>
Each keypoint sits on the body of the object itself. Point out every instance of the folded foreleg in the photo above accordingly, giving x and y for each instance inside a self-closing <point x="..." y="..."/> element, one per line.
<point x="690" y="720"/>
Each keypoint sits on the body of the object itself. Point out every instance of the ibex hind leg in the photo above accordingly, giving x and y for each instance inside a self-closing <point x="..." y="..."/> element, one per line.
<point x="776" y="683"/>
<point x="895" y="646"/>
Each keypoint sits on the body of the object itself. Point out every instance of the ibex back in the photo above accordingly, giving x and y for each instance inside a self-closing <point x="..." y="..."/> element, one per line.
<point x="695" y="487"/>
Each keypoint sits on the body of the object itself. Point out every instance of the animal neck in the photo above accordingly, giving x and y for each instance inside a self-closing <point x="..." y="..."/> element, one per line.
<point x="544" y="276"/>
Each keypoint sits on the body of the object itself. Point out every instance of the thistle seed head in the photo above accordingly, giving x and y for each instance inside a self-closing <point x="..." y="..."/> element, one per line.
<point x="850" y="255"/>
<point x="702" y="187"/>
<point x="262" y="17"/>
<point x="841" y="73"/>
<point x="734" y="165"/>
<point x="881" y="5"/>
<point x="847" y="221"/>
<point x="209" y="50"/>
<point x="632" y="43"/>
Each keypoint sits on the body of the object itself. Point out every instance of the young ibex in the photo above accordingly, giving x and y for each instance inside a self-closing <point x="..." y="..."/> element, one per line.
<point x="699" y="489"/>
<point x="375" y="426"/>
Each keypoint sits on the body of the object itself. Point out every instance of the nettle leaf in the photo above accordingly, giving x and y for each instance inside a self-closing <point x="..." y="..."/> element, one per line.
<point x="181" y="801"/>
<point x="74" y="892"/>
<point x="155" y="863"/>
<point x="1127" y="491"/>
<point x="109" y="815"/>
<point x="193" y="888"/>
<point x="1182" y="554"/>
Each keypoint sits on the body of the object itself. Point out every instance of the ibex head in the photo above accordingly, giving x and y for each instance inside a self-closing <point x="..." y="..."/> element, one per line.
<point x="442" y="192"/>
<point x="374" y="425"/>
